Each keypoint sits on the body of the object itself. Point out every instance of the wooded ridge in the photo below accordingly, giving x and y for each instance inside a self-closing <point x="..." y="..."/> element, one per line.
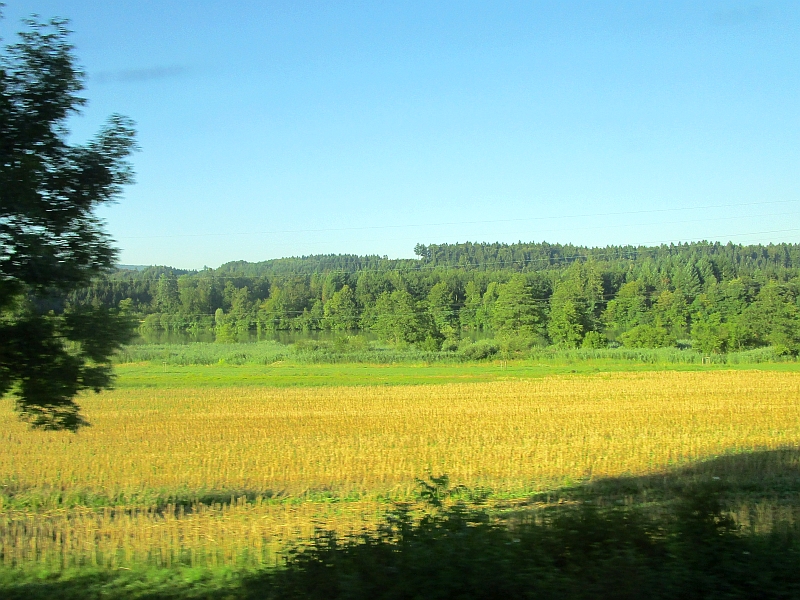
<point x="714" y="297"/>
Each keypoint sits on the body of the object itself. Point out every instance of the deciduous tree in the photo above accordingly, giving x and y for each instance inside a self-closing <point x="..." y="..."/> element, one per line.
<point x="51" y="241"/>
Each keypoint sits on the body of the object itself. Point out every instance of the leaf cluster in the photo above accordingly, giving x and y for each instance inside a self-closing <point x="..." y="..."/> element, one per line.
<point x="51" y="241"/>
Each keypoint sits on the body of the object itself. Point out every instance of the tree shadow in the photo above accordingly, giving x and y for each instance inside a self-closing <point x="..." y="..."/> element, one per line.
<point x="772" y="475"/>
<point x="656" y="537"/>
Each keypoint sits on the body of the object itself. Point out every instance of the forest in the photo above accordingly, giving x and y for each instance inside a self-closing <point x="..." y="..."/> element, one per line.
<point x="712" y="297"/>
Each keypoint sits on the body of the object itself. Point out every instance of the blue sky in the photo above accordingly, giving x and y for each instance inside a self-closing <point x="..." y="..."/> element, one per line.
<point x="273" y="129"/>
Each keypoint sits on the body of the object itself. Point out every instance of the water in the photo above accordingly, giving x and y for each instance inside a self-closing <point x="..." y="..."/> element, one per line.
<point x="284" y="337"/>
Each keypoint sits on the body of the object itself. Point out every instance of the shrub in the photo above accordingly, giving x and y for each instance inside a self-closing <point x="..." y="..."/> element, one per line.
<point x="594" y="339"/>
<point x="480" y="350"/>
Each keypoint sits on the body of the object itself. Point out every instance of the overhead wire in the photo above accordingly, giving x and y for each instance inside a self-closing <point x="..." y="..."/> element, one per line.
<point x="605" y="227"/>
<point x="626" y="252"/>
<point x="471" y="222"/>
<point x="454" y="310"/>
<point x="457" y="307"/>
<point x="617" y="252"/>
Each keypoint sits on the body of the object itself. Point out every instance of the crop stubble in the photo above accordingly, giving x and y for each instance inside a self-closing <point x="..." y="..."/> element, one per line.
<point x="282" y="454"/>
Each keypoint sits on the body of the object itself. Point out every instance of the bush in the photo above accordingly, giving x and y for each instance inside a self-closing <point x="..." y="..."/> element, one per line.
<point x="647" y="336"/>
<point x="480" y="350"/>
<point x="201" y="353"/>
<point x="357" y="350"/>
<point x="594" y="339"/>
<point x="430" y="344"/>
<point x="449" y="345"/>
<point x="152" y="323"/>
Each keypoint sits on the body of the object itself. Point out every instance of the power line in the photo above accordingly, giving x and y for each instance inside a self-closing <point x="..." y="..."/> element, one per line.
<point x="455" y="310"/>
<point x="478" y="222"/>
<point x="456" y="307"/>
<point x="621" y="253"/>
<point x="591" y="228"/>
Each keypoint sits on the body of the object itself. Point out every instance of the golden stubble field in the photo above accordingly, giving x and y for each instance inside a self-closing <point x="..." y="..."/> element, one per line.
<point x="281" y="452"/>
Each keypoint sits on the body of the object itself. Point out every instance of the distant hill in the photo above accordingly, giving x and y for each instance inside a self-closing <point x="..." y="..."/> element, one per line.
<point x="731" y="259"/>
<point x="320" y="263"/>
<point x="716" y="297"/>
<point x="533" y="256"/>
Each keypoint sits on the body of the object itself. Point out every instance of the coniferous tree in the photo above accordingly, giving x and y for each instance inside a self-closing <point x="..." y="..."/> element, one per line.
<point x="516" y="311"/>
<point x="574" y="306"/>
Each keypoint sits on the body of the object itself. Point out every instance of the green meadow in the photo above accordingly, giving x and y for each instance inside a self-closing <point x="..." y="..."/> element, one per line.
<point x="252" y="365"/>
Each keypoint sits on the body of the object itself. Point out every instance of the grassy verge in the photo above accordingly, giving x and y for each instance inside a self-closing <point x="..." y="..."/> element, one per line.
<point x="294" y="374"/>
<point x="266" y="353"/>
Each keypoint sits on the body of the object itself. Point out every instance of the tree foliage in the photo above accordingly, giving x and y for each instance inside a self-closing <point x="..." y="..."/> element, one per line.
<point x="341" y="311"/>
<point x="713" y="297"/>
<point x="516" y="311"/>
<point x="51" y="241"/>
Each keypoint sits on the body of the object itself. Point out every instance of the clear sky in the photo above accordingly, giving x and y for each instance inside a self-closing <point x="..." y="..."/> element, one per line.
<point x="272" y="129"/>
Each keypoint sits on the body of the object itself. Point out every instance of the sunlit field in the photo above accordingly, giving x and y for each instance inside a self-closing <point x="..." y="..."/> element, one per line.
<point x="228" y="476"/>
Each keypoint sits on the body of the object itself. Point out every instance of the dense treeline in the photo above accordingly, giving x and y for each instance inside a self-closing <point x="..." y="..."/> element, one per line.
<point x="715" y="297"/>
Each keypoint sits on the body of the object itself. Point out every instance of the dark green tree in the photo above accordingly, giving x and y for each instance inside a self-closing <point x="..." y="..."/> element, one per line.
<point x="332" y="283"/>
<point x="400" y="319"/>
<point x="516" y="311"/>
<point x="484" y="312"/>
<point x="289" y="299"/>
<point x="574" y="305"/>
<point x="468" y="315"/>
<point x="341" y="312"/>
<point x="442" y="308"/>
<point x="686" y="280"/>
<point x="774" y="317"/>
<point x="671" y="313"/>
<point x="628" y="309"/>
<point x="167" y="297"/>
<point x="51" y="242"/>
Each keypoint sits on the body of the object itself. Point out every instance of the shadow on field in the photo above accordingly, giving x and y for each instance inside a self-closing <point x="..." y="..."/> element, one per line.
<point x="669" y="536"/>
<point x="769" y="475"/>
<point x="190" y="500"/>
